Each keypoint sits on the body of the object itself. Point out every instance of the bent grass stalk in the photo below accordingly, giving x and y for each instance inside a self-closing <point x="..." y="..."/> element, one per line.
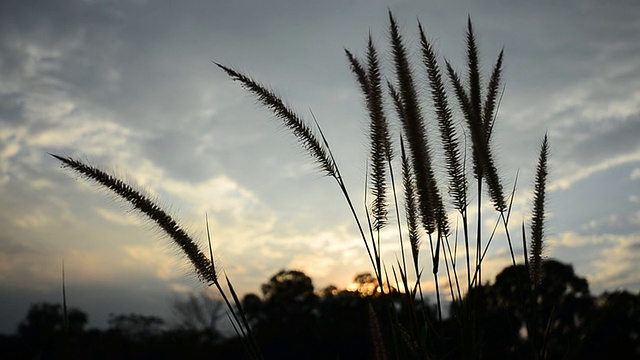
<point x="204" y="268"/>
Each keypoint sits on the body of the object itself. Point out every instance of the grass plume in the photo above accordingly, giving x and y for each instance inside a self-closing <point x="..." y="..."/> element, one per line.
<point x="307" y="139"/>
<point x="537" y="218"/>
<point x="381" y="153"/>
<point x="410" y="207"/>
<point x="380" y="139"/>
<point x="471" y="105"/>
<point x="203" y="268"/>
<point x="453" y="158"/>
<point x="491" y="102"/>
<point x="409" y="112"/>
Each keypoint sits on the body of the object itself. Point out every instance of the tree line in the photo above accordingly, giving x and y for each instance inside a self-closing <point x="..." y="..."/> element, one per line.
<point x="292" y="319"/>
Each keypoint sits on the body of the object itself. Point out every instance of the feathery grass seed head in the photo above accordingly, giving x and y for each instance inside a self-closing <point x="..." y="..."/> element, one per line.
<point x="453" y="158"/>
<point x="537" y="221"/>
<point x="203" y="267"/>
<point x="306" y="137"/>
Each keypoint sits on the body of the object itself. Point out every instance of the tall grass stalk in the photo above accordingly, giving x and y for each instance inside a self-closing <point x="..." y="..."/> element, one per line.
<point x="426" y="209"/>
<point x="147" y="207"/>
<point x="316" y="145"/>
<point x="538" y="214"/>
<point x="204" y="268"/>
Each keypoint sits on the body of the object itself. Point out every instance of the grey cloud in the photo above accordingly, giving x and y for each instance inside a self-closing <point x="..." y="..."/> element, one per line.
<point x="45" y="23"/>
<point x="177" y="152"/>
<point x="595" y="205"/>
<point x="14" y="247"/>
<point x="600" y="141"/>
<point x="11" y="108"/>
<point x="135" y="59"/>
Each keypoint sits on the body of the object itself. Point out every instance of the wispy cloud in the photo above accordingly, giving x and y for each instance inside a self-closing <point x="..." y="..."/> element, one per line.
<point x="614" y="263"/>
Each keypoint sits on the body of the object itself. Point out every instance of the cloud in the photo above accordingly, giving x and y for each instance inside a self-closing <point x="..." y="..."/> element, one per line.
<point x="141" y="259"/>
<point x="185" y="155"/>
<point x="609" y="221"/>
<point x="574" y="239"/>
<point x="11" y="108"/>
<point x="608" y="136"/>
<point x="614" y="259"/>
<point x="617" y="267"/>
<point x="38" y="218"/>
<point x="119" y="218"/>
<point x="219" y="194"/>
<point x="316" y="267"/>
<point x="28" y="265"/>
<point x="580" y="173"/>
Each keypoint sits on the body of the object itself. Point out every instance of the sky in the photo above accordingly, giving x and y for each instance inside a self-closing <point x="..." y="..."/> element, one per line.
<point x="130" y="87"/>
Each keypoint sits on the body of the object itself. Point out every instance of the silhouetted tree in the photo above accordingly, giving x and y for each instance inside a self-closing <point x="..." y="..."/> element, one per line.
<point x="614" y="329"/>
<point x="294" y="322"/>
<point x="557" y="310"/>
<point x="343" y="324"/>
<point x="288" y="285"/>
<point x="43" y="330"/>
<point x="289" y="300"/>
<point x="136" y="327"/>
<point x="45" y="320"/>
<point x="199" y="314"/>
<point x="366" y="284"/>
<point x="564" y="305"/>
<point x="284" y="319"/>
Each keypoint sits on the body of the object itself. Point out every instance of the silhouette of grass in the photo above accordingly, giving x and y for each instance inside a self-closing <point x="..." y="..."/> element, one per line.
<point x="426" y="215"/>
<point x="203" y="268"/>
<point x="424" y="205"/>
<point x="537" y="219"/>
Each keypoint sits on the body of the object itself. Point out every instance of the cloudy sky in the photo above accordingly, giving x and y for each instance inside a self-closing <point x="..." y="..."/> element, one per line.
<point x="129" y="86"/>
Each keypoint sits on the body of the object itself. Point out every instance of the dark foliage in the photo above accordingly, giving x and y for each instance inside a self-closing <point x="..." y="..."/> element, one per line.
<point x="292" y="321"/>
